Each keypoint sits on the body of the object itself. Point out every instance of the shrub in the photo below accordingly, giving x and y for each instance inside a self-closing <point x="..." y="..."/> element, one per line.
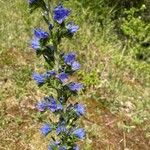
<point x="137" y="32"/>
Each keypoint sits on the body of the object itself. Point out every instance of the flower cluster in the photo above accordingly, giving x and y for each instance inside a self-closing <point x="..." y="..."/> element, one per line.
<point x="59" y="69"/>
<point x="60" y="14"/>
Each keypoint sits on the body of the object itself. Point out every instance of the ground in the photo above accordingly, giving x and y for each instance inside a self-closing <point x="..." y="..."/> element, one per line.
<point x="21" y="128"/>
<point x="117" y="87"/>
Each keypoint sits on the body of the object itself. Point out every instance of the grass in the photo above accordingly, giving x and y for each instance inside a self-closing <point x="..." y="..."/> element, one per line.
<point x="117" y="86"/>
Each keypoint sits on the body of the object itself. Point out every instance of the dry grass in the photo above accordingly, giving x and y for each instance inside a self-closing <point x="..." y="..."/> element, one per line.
<point x="117" y="86"/>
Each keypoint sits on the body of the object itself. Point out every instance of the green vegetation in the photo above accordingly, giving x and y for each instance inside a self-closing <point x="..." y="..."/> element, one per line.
<point x="113" y="46"/>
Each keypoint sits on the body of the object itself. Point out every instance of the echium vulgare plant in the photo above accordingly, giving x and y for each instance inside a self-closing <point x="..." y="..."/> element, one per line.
<point x="60" y="67"/>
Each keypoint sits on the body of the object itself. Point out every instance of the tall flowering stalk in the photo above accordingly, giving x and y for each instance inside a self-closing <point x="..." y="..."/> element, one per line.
<point x="65" y="131"/>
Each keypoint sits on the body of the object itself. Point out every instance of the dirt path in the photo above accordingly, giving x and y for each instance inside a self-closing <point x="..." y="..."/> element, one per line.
<point x="108" y="135"/>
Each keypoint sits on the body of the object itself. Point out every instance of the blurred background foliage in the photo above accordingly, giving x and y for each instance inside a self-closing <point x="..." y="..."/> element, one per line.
<point x="113" y="46"/>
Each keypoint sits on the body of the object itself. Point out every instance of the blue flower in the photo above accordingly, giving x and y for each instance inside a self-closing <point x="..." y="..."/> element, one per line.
<point x="79" y="109"/>
<point x="39" y="78"/>
<point x="46" y="128"/>
<point x="35" y="43"/>
<point x="40" y="34"/>
<point x="76" y="147"/>
<point x="49" y="103"/>
<point x="71" y="28"/>
<point x="60" y="14"/>
<point x="52" y="104"/>
<point x="79" y="133"/>
<point x="41" y="106"/>
<point x="69" y="58"/>
<point x="75" y="86"/>
<point x="63" y="77"/>
<point x="59" y="107"/>
<point x="75" y="66"/>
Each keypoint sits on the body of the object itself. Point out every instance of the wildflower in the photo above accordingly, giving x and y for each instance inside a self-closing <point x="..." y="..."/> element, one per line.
<point x="39" y="78"/>
<point x="76" y="147"/>
<point x="46" y="128"/>
<point x="75" y="86"/>
<point x="59" y="107"/>
<point x="63" y="77"/>
<point x="79" y="133"/>
<point x="41" y="106"/>
<point x="60" y="14"/>
<point x="52" y="104"/>
<point x="69" y="58"/>
<point x="40" y="34"/>
<point x="35" y="44"/>
<point x="75" y="66"/>
<point x="71" y="28"/>
<point x="45" y="44"/>
<point x="79" y="109"/>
